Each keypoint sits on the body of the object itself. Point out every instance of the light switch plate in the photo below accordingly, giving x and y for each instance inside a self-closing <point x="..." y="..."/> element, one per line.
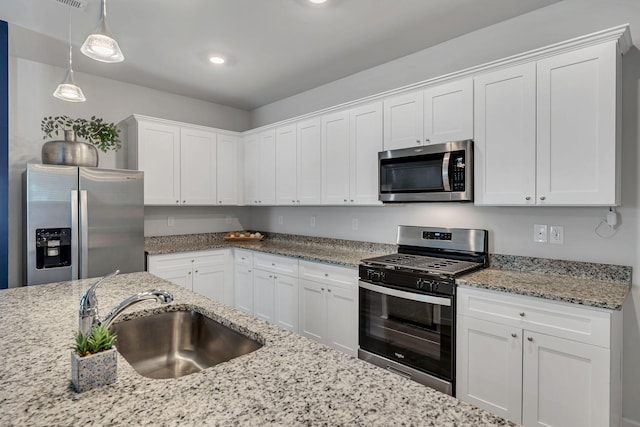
<point x="540" y="233"/>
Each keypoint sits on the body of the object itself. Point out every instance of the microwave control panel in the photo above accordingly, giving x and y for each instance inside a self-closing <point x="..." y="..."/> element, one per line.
<point x="457" y="181"/>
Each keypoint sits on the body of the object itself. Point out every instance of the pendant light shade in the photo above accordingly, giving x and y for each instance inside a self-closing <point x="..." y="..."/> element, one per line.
<point x="68" y="90"/>
<point x="101" y="45"/>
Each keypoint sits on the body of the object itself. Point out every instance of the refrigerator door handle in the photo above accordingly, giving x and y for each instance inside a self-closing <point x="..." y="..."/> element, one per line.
<point x="74" y="235"/>
<point x="84" y="236"/>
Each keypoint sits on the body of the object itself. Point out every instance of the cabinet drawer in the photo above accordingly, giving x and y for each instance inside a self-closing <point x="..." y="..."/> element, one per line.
<point x="276" y="264"/>
<point x="329" y="274"/>
<point x="591" y="326"/>
<point x="242" y="257"/>
<point x="156" y="262"/>
<point x="196" y="258"/>
<point x="205" y="258"/>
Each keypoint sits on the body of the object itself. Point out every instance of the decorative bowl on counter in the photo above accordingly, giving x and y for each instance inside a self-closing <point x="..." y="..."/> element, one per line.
<point x="244" y="236"/>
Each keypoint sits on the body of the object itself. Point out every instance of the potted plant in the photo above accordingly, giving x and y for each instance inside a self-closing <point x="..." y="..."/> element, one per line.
<point x="97" y="133"/>
<point x="94" y="359"/>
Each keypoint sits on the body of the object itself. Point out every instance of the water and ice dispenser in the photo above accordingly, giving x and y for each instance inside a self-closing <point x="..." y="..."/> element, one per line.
<point x="53" y="247"/>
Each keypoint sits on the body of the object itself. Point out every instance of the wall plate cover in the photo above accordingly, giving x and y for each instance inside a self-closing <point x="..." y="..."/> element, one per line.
<point x="556" y="234"/>
<point x="540" y="233"/>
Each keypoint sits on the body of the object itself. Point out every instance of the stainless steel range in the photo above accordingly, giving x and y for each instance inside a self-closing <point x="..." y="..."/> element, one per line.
<point x="407" y="302"/>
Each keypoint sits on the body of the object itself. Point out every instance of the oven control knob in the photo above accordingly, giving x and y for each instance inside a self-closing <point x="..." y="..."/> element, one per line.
<point x="420" y="283"/>
<point x="434" y="286"/>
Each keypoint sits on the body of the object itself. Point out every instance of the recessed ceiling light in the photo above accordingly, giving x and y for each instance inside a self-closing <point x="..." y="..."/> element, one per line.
<point x="317" y="1"/>
<point x="217" y="60"/>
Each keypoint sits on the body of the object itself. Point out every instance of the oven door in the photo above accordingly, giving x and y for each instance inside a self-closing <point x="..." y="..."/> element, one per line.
<point x="412" y="329"/>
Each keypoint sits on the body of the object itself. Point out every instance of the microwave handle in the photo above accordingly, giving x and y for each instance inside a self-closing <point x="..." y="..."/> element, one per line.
<point x="445" y="171"/>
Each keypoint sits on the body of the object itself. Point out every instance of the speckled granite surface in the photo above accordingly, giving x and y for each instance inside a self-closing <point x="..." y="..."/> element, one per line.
<point x="595" y="285"/>
<point x="289" y="381"/>
<point x="335" y="251"/>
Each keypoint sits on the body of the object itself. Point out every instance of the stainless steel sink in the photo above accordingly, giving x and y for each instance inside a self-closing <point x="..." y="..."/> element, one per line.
<point x="178" y="343"/>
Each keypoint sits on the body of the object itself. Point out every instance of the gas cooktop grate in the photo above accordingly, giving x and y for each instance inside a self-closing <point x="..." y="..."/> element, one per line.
<point x="422" y="263"/>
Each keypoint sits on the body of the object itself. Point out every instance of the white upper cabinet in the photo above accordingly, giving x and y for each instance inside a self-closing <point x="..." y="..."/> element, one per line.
<point x="403" y="120"/>
<point x="308" y="160"/>
<point x="298" y="163"/>
<point x="197" y="167"/>
<point x="547" y="132"/>
<point x="260" y="168"/>
<point x="439" y="113"/>
<point x="335" y="158"/>
<point x="365" y="143"/>
<point x="183" y="164"/>
<point x="448" y="112"/>
<point x="286" y="165"/>
<point x="578" y="151"/>
<point x="351" y="141"/>
<point x="505" y="136"/>
<point x="227" y="169"/>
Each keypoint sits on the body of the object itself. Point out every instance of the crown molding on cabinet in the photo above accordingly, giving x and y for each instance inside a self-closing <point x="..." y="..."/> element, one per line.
<point x="621" y="34"/>
<point x="136" y="117"/>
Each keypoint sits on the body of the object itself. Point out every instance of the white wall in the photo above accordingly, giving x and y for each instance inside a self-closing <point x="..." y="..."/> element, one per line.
<point x="511" y="229"/>
<point x="31" y="85"/>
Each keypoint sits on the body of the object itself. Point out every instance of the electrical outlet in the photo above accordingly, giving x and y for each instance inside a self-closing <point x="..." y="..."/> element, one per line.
<point x="540" y="233"/>
<point x="312" y="221"/>
<point x="227" y="219"/>
<point x="171" y="221"/>
<point x="556" y="234"/>
<point x="354" y="223"/>
<point x="280" y="220"/>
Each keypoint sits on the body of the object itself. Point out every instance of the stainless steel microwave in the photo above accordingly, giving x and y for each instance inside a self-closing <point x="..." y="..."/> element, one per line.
<point x="430" y="173"/>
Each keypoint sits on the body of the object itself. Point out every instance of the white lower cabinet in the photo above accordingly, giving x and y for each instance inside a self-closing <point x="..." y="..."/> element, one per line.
<point x="538" y="363"/>
<point x="243" y="280"/>
<point x="208" y="273"/>
<point x="329" y="305"/>
<point x="267" y="287"/>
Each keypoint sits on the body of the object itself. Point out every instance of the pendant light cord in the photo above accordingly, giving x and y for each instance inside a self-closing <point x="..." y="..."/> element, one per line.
<point x="70" y="49"/>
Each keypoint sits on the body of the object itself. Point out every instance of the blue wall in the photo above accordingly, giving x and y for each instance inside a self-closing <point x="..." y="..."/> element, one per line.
<point x="4" y="154"/>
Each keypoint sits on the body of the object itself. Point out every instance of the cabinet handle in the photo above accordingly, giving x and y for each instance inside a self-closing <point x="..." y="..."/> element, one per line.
<point x="248" y="271"/>
<point x="293" y="201"/>
<point x="345" y="200"/>
<point x="326" y="274"/>
<point x="522" y="314"/>
<point x="530" y="339"/>
<point x="273" y="264"/>
<point x="275" y="277"/>
<point x="270" y="277"/>
<point x="178" y="201"/>
<point x="297" y="201"/>
<point x="322" y="289"/>
<point x="328" y="290"/>
<point x="351" y="200"/>
<point x="513" y="335"/>
<point x="189" y="273"/>
<point x="220" y="201"/>
<point x="427" y="140"/>
<point x="528" y="198"/>
<point x="196" y="271"/>
<point x="418" y="141"/>
<point x="184" y="201"/>
<point x="542" y="197"/>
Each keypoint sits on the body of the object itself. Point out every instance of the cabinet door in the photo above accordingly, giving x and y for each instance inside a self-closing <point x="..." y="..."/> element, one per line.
<point x="448" y="112"/>
<point x="335" y="158"/>
<point x="313" y="310"/>
<point x="263" y="295"/>
<point x="178" y="275"/>
<point x="286" y="302"/>
<point x="309" y="152"/>
<point x="403" y="120"/>
<point x="342" y="319"/>
<point x="197" y="167"/>
<point x="286" y="165"/>
<point x="159" y="158"/>
<point x="267" y="168"/>
<point x="565" y="383"/>
<point x="505" y="137"/>
<point x="243" y="289"/>
<point x="489" y="366"/>
<point x="251" y="149"/>
<point x="209" y="280"/>
<point x="227" y="169"/>
<point x="577" y="129"/>
<point x="365" y="143"/>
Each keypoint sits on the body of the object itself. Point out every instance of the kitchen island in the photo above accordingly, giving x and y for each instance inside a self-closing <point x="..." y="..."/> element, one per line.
<point x="289" y="381"/>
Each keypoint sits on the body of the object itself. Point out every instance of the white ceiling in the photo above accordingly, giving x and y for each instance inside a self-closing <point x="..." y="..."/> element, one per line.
<point x="275" y="48"/>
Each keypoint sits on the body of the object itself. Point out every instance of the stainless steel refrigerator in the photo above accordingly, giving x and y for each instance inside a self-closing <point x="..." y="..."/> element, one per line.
<point x="81" y="222"/>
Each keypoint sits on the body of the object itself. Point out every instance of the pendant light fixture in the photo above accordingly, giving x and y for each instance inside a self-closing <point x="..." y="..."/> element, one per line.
<point x="68" y="90"/>
<point x="101" y="45"/>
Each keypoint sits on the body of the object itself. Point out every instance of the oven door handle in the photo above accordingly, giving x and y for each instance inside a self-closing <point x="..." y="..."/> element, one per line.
<point x="406" y="295"/>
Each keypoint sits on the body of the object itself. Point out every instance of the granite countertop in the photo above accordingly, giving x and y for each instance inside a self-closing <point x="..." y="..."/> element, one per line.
<point x="595" y="285"/>
<point x="335" y="251"/>
<point x="289" y="381"/>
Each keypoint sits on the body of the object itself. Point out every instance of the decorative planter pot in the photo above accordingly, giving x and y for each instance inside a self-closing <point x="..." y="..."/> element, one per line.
<point x="69" y="152"/>
<point x="94" y="371"/>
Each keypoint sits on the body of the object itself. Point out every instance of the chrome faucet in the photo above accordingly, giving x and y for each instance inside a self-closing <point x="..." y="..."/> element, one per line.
<point x="88" y="316"/>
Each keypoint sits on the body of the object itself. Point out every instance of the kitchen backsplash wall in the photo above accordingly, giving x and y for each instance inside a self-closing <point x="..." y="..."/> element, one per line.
<point x="193" y="219"/>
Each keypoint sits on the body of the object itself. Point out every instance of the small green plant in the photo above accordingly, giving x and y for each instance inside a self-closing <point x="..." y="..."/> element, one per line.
<point x="100" y="339"/>
<point x="105" y="136"/>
